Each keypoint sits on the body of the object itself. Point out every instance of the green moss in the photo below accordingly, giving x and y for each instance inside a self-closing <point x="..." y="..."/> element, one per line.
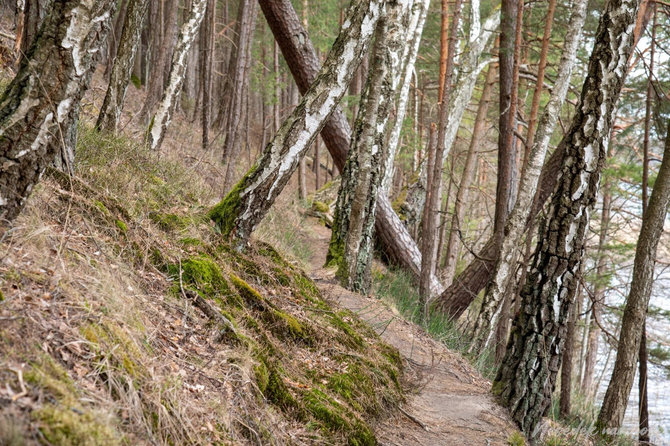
<point x="278" y="394"/>
<point x="250" y="295"/>
<point x="292" y="327"/>
<point x="122" y="226"/>
<point x="320" y="206"/>
<point x="51" y="376"/>
<point x="350" y="338"/>
<point x="201" y="272"/>
<point x="135" y="81"/>
<point x="190" y="241"/>
<point x="62" y="425"/>
<point x="262" y="377"/>
<point x="170" y="222"/>
<point x="325" y="409"/>
<point x="2" y="296"/>
<point x="98" y="204"/>
<point x="224" y="214"/>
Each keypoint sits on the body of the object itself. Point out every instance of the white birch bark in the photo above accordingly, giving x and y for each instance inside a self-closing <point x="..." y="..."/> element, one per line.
<point x="414" y="33"/>
<point x="187" y="34"/>
<point x="246" y="205"/>
<point x="514" y="229"/>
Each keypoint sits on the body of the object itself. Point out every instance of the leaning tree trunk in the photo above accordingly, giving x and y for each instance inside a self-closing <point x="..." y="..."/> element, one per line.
<point x="187" y="35"/>
<point x="503" y="276"/>
<point x="298" y="51"/>
<point x="527" y="376"/>
<point x="38" y="104"/>
<point x="352" y="236"/>
<point x="616" y="398"/>
<point x="455" y="299"/>
<point x="110" y="113"/>
<point x="238" y="214"/>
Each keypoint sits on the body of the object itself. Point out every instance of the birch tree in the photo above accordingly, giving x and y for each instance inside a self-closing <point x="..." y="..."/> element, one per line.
<point x="419" y="11"/>
<point x="189" y="30"/>
<point x="110" y="112"/>
<point x="351" y="245"/>
<point x="398" y="244"/>
<point x="238" y="214"/>
<point x="527" y="376"/>
<point x="514" y="229"/>
<point x="38" y="104"/>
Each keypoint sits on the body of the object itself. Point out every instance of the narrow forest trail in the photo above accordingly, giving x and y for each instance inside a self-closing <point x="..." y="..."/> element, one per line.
<point x="449" y="402"/>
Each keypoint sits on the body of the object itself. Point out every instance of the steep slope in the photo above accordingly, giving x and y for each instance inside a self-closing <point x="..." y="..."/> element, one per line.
<point x="125" y="320"/>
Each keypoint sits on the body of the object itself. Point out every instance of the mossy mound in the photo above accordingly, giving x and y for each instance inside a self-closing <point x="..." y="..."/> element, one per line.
<point x="315" y="364"/>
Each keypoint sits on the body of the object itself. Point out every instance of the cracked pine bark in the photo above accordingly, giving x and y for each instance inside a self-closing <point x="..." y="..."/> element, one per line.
<point x="503" y="275"/>
<point x="351" y="245"/>
<point x="238" y="214"/>
<point x="41" y="100"/>
<point x="187" y="34"/>
<point x="616" y="397"/>
<point x="527" y="376"/>
<point x="112" y="105"/>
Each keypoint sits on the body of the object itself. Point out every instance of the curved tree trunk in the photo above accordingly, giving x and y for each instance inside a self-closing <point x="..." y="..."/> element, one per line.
<point x="238" y="214"/>
<point x="635" y="312"/>
<point x="503" y="274"/>
<point x="527" y="376"/>
<point x="110" y="113"/>
<point x="39" y="103"/>
<point x="166" y="107"/>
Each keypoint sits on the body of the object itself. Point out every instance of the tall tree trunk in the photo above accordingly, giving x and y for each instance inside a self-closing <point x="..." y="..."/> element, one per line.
<point x="506" y="122"/>
<point x="472" y="62"/>
<point x="238" y="88"/>
<point x="527" y="376"/>
<point x="238" y="214"/>
<point x="566" y="366"/>
<point x="206" y="65"/>
<point x="351" y="244"/>
<point x="537" y="93"/>
<point x="414" y="33"/>
<point x="34" y="13"/>
<point x="297" y="49"/>
<point x="162" y="46"/>
<point x="110" y="113"/>
<point x="616" y="398"/>
<point x="429" y="227"/>
<point x="504" y="273"/>
<point x="39" y="103"/>
<point x="187" y="34"/>
<point x="598" y="294"/>
<point x="643" y="356"/>
<point x="478" y="133"/>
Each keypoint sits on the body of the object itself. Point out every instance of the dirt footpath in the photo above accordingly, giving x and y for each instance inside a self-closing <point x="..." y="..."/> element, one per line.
<point x="449" y="403"/>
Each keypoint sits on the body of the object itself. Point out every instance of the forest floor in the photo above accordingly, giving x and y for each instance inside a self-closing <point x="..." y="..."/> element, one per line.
<point x="449" y="402"/>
